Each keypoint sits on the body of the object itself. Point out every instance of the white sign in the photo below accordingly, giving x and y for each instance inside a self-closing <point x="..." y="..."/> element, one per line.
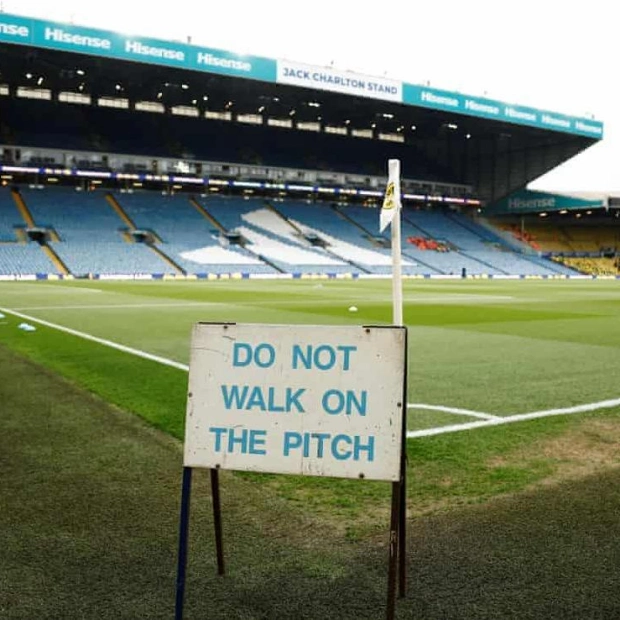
<point x="346" y="82"/>
<point x="297" y="399"/>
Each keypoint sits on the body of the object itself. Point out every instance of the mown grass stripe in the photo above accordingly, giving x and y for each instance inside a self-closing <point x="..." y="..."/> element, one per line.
<point x="108" y="343"/>
<point x="487" y="419"/>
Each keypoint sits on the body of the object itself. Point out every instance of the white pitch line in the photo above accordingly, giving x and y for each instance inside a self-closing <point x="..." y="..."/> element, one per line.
<point x="108" y="343"/>
<point x="521" y="417"/>
<point x="454" y="410"/>
<point x="429" y="432"/>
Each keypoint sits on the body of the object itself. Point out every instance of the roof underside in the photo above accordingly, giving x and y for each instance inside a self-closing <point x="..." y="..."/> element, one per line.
<point x="495" y="158"/>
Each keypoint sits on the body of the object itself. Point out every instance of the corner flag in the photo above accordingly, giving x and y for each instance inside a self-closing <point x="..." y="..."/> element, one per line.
<point x="391" y="201"/>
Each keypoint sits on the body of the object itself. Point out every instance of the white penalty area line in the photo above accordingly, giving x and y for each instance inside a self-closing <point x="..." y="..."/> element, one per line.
<point x="486" y="419"/>
<point x="521" y="417"/>
<point x="454" y="410"/>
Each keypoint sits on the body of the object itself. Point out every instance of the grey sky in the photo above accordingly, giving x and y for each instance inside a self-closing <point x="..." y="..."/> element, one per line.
<point x="551" y="54"/>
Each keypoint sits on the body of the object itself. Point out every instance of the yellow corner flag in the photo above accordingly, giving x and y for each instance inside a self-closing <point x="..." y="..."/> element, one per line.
<point x="391" y="201"/>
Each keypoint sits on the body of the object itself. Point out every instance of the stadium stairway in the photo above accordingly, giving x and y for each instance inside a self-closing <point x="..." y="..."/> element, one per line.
<point x="484" y="235"/>
<point x="556" y="268"/>
<point x="415" y="225"/>
<point x="10" y="231"/>
<point x="56" y="260"/>
<point x="298" y="231"/>
<point x="86" y="233"/>
<point x="349" y="243"/>
<point x="23" y="208"/>
<point x="345" y="249"/>
<point x="365" y="218"/>
<point x="573" y="243"/>
<point x="480" y="232"/>
<point x="285" y="219"/>
<point x="347" y="218"/>
<point x="493" y="268"/>
<point x="193" y="234"/>
<point x="416" y="259"/>
<point x="118" y="209"/>
<point x="205" y="213"/>
<point x="247" y="247"/>
<point x="272" y="239"/>
<point x="152" y="243"/>
<point x="91" y="239"/>
<point x="26" y="214"/>
<point x="167" y="259"/>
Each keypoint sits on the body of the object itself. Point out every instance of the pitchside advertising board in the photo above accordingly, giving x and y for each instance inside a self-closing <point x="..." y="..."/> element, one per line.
<point x="95" y="42"/>
<point x="309" y="400"/>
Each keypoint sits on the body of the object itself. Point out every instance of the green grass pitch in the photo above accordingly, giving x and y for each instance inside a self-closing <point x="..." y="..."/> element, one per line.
<point x="496" y="347"/>
<point x="501" y="348"/>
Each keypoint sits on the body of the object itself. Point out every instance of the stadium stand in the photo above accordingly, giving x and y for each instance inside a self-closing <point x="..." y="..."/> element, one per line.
<point x="584" y="241"/>
<point x="563" y="236"/>
<point x="592" y="238"/>
<point x="150" y="133"/>
<point x="89" y="233"/>
<point x="331" y="230"/>
<point x="151" y="232"/>
<point x="106" y="130"/>
<point x="301" y="237"/>
<point x="147" y="232"/>
<point x="186" y="235"/>
<point x="269" y="237"/>
<point x="594" y="266"/>
<point x="98" y="120"/>
<point x="24" y="259"/>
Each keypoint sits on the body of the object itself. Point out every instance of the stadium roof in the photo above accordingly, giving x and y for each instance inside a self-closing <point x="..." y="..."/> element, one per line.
<point x="493" y="146"/>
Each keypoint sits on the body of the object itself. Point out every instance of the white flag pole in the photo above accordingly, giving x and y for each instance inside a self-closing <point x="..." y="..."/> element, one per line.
<point x="397" y="277"/>
<point x="390" y="214"/>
